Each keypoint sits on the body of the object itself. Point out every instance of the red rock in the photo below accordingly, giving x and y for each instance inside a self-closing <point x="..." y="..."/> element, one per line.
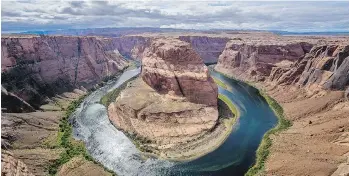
<point x="48" y="64"/>
<point x="171" y="66"/>
<point x="173" y="103"/>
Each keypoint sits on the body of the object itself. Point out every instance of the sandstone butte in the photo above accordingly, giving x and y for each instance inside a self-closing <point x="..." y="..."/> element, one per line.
<point x="172" y="105"/>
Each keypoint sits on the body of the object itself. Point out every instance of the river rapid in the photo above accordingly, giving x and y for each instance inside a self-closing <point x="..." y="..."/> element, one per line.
<point x="116" y="152"/>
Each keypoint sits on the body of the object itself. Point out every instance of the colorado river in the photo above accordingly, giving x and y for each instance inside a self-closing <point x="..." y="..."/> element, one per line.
<point x="115" y="151"/>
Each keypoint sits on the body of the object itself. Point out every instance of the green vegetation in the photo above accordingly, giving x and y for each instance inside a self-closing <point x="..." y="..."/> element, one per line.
<point x="263" y="149"/>
<point x="229" y="122"/>
<point x="70" y="147"/>
<point x="111" y="96"/>
<point x="219" y="82"/>
<point x="140" y="142"/>
<point x="230" y="104"/>
<point x="132" y="65"/>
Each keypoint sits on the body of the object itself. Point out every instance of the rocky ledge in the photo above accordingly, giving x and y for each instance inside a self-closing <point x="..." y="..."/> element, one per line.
<point x="172" y="108"/>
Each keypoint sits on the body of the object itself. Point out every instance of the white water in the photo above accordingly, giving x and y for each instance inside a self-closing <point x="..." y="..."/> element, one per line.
<point x="105" y="143"/>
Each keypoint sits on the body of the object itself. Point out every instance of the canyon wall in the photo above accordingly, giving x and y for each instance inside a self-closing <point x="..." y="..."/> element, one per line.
<point x="310" y="80"/>
<point x="37" y="67"/>
<point x="208" y="48"/>
<point x="287" y="63"/>
<point x="255" y="59"/>
<point x="34" y="68"/>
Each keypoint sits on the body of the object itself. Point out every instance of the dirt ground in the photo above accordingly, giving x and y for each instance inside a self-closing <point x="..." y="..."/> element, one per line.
<point x="318" y="141"/>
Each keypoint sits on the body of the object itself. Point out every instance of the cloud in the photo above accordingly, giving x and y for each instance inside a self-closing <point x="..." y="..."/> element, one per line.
<point x="291" y="16"/>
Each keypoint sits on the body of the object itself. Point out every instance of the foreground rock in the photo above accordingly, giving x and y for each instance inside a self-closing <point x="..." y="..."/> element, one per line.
<point x="78" y="166"/>
<point x="309" y="83"/>
<point x="12" y="166"/>
<point x="172" y="104"/>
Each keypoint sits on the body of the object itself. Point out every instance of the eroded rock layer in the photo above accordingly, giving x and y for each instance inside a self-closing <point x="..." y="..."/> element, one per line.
<point x="256" y="59"/>
<point x="170" y="66"/>
<point x="285" y="63"/>
<point x="311" y="82"/>
<point x="174" y="101"/>
<point x="34" y="67"/>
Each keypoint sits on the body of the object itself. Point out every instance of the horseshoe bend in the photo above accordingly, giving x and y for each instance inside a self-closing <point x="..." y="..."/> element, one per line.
<point x="174" y="113"/>
<point x="173" y="105"/>
<point x="210" y="96"/>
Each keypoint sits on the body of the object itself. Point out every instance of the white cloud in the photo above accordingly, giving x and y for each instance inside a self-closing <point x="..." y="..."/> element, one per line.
<point x="292" y="16"/>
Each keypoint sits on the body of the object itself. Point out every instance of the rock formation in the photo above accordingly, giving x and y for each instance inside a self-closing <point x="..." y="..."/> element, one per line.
<point x="34" y="67"/>
<point x="287" y="63"/>
<point x="325" y="67"/>
<point x="12" y="103"/>
<point x="255" y="59"/>
<point x="174" y="102"/>
<point x="172" y="67"/>
<point x="208" y="48"/>
<point x="309" y="80"/>
<point x="11" y="166"/>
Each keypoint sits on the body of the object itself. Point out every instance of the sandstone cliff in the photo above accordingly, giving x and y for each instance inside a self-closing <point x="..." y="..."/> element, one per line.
<point x="255" y="59"/>
<point x="309" y="80"/>
<point x="173" y="103"/>
<point x="34" y="67"/>
<point x="172" y="67"/>
<point x="287" y="63"/>
<point x="208" y="48"/>
<point x="324" y="67"/>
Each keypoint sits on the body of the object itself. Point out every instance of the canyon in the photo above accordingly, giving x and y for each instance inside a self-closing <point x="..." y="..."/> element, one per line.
<point x="307" y="75"/>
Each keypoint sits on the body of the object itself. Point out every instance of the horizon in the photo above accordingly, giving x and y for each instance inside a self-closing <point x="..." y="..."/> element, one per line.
<point x="197" y="30"/>
<point x="294" y="17"/>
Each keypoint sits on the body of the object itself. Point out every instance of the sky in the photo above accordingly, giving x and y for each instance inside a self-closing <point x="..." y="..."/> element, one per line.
<point x="288" y="16"/>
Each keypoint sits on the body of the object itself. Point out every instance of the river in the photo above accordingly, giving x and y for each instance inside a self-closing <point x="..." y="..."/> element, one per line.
<point x="115" y="151"/>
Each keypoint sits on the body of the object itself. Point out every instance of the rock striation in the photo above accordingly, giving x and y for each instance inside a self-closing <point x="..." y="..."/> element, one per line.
<point x="35" y="67"/>
<point x="174" y="102"/>
<point x="209" y="48"/>
<point x="171" y="67"/>
<point x="323" y="66"/>
<point x="256" y="59"/>
<point x="309" y="80"/>
<point x="12" y="166"/>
